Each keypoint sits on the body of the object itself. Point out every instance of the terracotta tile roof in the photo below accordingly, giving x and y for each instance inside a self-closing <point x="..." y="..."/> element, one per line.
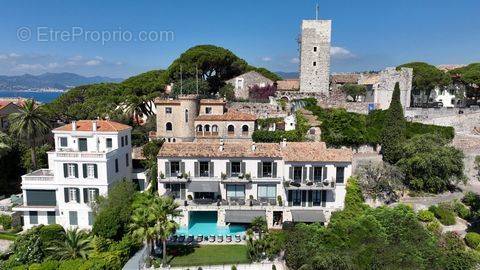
<point x="288" y="85"/>
<point x="292" y="152"/>
<point x="102" y="126"/>
<point x="212" y="150"/>
<point x="345" y="78"/>
<point x="137" y="153"/>
<point x="162" y="101"/>
<point x="315" y="151"/>
<point x="4" y="104"/>
<point x="213" y="101"/>
<point x="230" y="115"/>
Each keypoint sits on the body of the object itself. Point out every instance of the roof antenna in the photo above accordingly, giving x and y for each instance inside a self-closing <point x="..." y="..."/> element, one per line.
<point x="181" y="80"/>
<point x="317" y="10"/>
<point x="196" y="75"/>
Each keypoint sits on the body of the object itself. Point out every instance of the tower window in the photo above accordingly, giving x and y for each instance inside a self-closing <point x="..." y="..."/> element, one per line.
<point x="314" y="49"/>
<point x="168" y="126"/>
<point x="314" y="64"/>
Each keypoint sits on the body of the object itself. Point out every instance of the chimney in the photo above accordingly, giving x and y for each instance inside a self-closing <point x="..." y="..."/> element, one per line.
<point x="283" y="144"/>
<point x="254" y="146"/>
<point x="74" y="125"/>
<point x="94" y="125"/>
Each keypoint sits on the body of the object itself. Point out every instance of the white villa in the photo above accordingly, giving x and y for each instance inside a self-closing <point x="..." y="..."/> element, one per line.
<point x="289" y="181"/>
<point x="89" y="156"/>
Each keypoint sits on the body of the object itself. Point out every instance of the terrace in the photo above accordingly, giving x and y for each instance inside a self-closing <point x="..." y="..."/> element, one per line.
<point x="40" y="175"/>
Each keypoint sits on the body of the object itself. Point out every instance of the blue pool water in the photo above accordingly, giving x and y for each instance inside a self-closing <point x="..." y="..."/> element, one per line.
<point x="205" y="223"/>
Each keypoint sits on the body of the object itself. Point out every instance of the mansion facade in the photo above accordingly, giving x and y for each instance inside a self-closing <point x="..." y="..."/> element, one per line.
<point x="289" y="181"/>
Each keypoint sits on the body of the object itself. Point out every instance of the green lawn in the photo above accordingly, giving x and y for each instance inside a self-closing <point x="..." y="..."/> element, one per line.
<point x="207" y="255"/>
<point x="8" y="236"/>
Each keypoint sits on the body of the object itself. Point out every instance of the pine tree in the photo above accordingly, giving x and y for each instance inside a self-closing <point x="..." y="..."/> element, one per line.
<point x="393" y="134"/>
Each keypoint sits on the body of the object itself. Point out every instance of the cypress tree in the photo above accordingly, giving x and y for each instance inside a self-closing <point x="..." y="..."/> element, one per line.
<point x="393" y="134"/>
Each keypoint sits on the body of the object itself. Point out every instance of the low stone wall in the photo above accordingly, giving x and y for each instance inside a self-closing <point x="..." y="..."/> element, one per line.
<point x="462" y="123"/>
<point x="261" y="110"/>
<point x="437" y="112"/>
<point x="252" y="266"/>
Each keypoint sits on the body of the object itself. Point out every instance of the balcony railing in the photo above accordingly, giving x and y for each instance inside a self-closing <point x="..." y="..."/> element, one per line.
<point x="39" y="175"/>
<point x="325" y="184"/>
<point x="87" y="155"/>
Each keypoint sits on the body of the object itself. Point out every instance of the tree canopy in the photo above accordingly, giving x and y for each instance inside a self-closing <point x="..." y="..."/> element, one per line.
<point x="426" y="77"/>
<point x="469" y="74"/>
<point x="354" y="90"/>
<point x="393" y="134"/>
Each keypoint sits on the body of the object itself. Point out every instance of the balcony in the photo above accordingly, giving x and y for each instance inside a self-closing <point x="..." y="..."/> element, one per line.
<point x="83" y="155"/>
<point x="175" y="179"/>
<point x="233" y="203"/>
<point x="42" y="175"/>
<point x="327" y="184"/>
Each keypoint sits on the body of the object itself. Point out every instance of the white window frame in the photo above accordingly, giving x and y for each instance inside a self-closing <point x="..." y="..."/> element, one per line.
<point x="70" y="170"/>
<point x="72" y="195"/>
<point x="60" y="142"/>
<point x="91" y="194"/>
<point x="239" y="83"/>
<point x="90" y="170"/>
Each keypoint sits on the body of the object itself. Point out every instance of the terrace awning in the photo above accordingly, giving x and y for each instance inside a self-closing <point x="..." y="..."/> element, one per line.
<point x="308" y="216"/>
<point x="242" y="216"/>
<point x="204" y="186"/>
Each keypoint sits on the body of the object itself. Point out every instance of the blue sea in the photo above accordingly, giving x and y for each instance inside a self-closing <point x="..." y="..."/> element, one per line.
<point x="43" y="97"/>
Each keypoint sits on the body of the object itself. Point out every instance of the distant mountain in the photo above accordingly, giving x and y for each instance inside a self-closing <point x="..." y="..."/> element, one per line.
<point x="288" y="75"/>
<point x="60" y="81"/>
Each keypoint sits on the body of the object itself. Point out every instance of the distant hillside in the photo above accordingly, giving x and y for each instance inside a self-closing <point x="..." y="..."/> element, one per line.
<point x="288" y="75"/>
<point x="59" y="81"/>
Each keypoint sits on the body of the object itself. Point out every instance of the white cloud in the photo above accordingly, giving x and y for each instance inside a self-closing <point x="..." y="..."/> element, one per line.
<point x="3" y="56"/>
<point x="53" y="65"/>
<point x="99" y="58"/>
<point x="93" y="63"/>
<point x="295" y="60"/>
<point x="76" y="58"/>
<point x="29" y="67"/>
<point x="13" y="55"/>
<point x="340" y="53"/>
<point x="266" y="59"/>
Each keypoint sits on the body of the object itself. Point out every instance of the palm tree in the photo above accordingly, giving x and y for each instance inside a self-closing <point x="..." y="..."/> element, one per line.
<point x="144" y="225"/>
<point x="138" y="106"/>
<point x="259" y="224"/>
<point x="165" y="210"/>
<point x="76" y="245"/>
<point x="30" y="126"/>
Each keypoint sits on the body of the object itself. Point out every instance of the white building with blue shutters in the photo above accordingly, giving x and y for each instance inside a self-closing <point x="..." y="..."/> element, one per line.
<point x="89" y="157"/>
<point x="283" y="182"/>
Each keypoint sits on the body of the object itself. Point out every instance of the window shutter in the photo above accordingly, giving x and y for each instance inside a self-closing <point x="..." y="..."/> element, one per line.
<point x="290" y="173"/>
<point x="76" y="170"/>
<point x="66" y="194"/>
<point x="197" y="169"/>
<point x="84" y="166"/>
<point x="77" y="193"/>
<point x="228" y="170"/>
<point x="324" y="198"/>
<point x="242" y="167"/>
<point x="259" y="170"/>
<point x="304" y="173"/>
<point x="95" y="170"/>
<point x="65" y="170"/>
<point x="211" y="169"/>
<point x="324" y="173"/>
<point x="310" y="199"/>
<point x="167" y="169"/>
<point x="85" y="195"/>
<point x="182" y="167"/>
<point x="311" y="174"/>
<point x="274" y="169"/>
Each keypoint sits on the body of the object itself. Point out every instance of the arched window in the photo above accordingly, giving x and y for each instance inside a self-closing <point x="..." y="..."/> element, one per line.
<point x="230" y="130"/>
<point x="186" y="116"/>
<point x="199" y="128"/>
<point x="214" y="128"/>
<point x="168" y="126"/>
<point x="245" y="128"/>
<point x="207" y="128"/>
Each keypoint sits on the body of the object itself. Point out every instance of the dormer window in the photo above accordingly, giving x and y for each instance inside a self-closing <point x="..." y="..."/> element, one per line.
<point x="208" y="110"/>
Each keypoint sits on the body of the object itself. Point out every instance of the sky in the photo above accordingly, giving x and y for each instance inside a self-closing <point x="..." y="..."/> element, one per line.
<point x="124" y="38"/>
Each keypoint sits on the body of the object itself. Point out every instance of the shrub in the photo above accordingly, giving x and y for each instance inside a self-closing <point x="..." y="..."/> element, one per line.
<point x="472" y="239"/>
<point x="444" y="214"/>
<point x="234" y="267"/>
<point x="434" y="227"/>
<point x="473" y="200"/>
<point x="6" y="222"/>
<point x="46" y="265"/>
<point x="71" y="264"/>
<point x="425" y="216"/>
<point x="461" y="210"/>
<point x="354" y="198"/>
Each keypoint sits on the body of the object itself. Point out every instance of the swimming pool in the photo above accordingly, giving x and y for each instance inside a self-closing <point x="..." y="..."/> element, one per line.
<point x="205" y="223"/>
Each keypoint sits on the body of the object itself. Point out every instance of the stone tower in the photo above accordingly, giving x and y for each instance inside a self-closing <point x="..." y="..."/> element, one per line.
<point x="315" y="56"/>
